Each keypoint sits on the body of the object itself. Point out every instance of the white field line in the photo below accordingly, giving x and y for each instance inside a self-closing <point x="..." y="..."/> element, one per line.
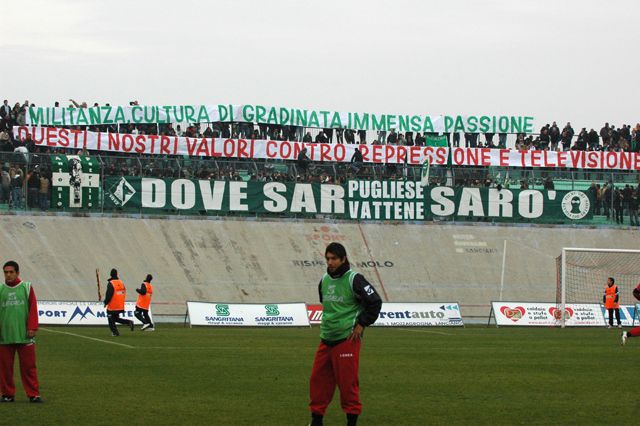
<point x="89" y="338"/>
<point x="426" y="331"/>
<point x="142" y="347"/>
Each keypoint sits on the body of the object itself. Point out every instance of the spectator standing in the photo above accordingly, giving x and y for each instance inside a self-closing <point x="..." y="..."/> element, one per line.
<point x="43" y="192"/>
<point x="554" y="136"/>
<point x="633" y="209"/>
<point x="618" y="200"/>
<point x="33" y="186"/>
<point x="611" y="300"/>
<point x="567" y="135"/>
<point x="392" y="139"/>
<point x="17" y="182"/>
<point x="5" y="185"/>
<point x="605" y="134"/>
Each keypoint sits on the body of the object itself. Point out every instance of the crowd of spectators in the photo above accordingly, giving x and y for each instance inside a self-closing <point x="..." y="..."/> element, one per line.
<point x="25" y="178"/>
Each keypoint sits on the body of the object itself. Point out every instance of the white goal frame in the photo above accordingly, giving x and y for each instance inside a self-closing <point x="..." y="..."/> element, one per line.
<point x="563" y="288"/>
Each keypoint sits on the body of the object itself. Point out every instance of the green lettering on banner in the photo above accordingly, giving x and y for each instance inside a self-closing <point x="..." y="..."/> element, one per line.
<point x="415" y="123"/>
<point x="82" y="117"/>
<point x="472" y="124"/>
<point x="427" y="126"/>
<point x="94" y="116"/>
<point x="485" y="124"/>
<point x="336" y="123"/>
<point x="136" y="113"/>
<point x="361" y="122"/>
<point x="301" y="117"/>
<point x="459" y="125"/>
<point x="284" y="116"/>
<point x="35" y="117"/>
<point x="260" y="113"/>
<point x="273" y="116"/>
<point x="357" y="200"/>
<point x="203" y="115"/>
<point x="223" y="112"/>
<point x="391" y="122"/>
<point x="247" y="116"/>
<point x="313" y="120"/>
<point x="378" y="122"/>
<point x="189" y="112"/>
<point x="403" y="123"/>
<point x="448" y="123"/>
<point x="276" y="115"/>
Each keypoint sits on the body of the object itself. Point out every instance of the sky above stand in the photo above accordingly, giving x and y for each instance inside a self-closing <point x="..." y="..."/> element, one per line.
<point x="553" y="60"/>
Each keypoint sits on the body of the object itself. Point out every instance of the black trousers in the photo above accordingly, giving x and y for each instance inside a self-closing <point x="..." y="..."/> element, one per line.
<point x="143" y="316"/>
<point x="617" y="311"/>
<point x="114" y="317"/>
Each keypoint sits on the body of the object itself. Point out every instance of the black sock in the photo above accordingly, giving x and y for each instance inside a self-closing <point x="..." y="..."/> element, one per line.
<point x="316" y="419"/>
<point x="352" y="419"/>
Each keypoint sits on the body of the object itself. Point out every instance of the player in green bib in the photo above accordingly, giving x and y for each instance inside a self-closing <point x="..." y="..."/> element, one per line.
<point x="349" y="304"/>
<point x="18" y="327"/>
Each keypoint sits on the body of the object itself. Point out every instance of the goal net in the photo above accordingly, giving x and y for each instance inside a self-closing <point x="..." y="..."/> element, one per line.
<point x="582" y="274"/>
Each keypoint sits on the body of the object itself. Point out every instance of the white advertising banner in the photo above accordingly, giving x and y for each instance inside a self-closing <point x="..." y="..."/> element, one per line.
<point x="547" y="314"/>
<point x="248" y="314"/>
<point x="52" y="312"/>
<point x="442" y="314"/>
<point x="627" y="313"/>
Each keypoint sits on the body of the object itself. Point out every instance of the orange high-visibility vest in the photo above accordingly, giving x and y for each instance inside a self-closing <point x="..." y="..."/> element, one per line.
<point x="144" y="300"/>
<point x="119" y="294"/>
<point x="610" y="297"/>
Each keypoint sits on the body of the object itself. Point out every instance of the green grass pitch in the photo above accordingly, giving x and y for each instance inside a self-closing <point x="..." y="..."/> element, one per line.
<point x="251" y="376"/>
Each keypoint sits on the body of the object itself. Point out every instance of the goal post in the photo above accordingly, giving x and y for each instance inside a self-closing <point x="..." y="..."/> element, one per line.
<point x="582" y="274"/>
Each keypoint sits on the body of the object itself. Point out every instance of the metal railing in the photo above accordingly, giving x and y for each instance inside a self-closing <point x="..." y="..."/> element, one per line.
<point x="23" y="193"/>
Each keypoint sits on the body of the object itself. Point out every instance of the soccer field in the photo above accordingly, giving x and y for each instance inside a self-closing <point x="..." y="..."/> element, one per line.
<point x="238" y="376"/>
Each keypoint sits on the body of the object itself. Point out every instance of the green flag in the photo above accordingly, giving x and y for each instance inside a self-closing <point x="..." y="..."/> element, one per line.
<point x="75" y="182"/>
<point x="437" y="141"/>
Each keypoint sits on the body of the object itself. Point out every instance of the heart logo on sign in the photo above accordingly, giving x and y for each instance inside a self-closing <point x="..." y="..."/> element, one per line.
<point x="555" y="312"/>
<point x="514" y="314"/>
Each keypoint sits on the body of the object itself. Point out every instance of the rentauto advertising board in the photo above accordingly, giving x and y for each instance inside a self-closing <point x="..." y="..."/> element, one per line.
<point x="248" y="314"/>
<point x="406" y="314"/>
<point x="441" y="314"/>
<point x="548" y="314"/>
<point x="54" y="312"/>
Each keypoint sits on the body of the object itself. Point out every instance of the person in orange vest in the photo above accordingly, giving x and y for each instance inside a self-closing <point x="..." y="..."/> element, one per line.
<point x="114" y="302"/>
<point x="611" y="301"/>
<point x="145" y="292"/>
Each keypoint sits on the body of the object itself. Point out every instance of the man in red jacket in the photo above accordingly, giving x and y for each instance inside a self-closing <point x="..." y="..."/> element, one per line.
<point x="18" y="327"/>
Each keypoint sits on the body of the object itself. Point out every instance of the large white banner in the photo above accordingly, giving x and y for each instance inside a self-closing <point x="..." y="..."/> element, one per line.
<point x="53" y="137"/>
<point x="248" y="314"/>
<point x="78" y="313"/>
<point x="281" y="116"/>
<point x="76" y="139"/>
<point x="441" y="314"/>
